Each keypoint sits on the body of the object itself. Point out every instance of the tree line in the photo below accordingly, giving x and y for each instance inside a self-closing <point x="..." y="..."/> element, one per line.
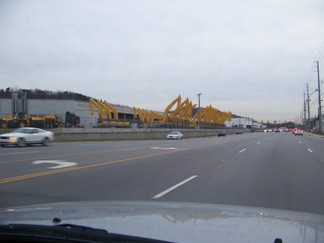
<point x="43" y="94"/>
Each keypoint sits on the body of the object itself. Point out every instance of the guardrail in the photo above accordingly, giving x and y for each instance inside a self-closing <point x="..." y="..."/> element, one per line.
<point x="95" y="134"/>
<point x="98" y="134"/>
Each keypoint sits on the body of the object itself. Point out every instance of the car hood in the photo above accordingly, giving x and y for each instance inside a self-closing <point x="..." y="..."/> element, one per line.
<point x="177" y="222"/>
<point x="12" y="134"/>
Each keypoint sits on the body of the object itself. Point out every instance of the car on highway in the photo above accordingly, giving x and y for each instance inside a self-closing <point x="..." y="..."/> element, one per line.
<point x="222" y="133"/>
<point x="175" y="136"/>
<point x="26" y="136"/>
<point x="299" y="132"/>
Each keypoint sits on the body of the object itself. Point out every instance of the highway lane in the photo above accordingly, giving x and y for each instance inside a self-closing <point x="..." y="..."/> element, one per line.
<point x="276" y="170"/>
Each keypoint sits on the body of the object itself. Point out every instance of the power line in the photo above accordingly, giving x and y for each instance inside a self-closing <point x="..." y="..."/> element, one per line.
<point x="320" y="52"/>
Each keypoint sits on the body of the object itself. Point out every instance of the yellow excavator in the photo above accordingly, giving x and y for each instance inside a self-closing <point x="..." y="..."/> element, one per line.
<point x="6" y="121"/>
<point x="167" y="119"/>
<point x="102" y="120"/>
<point x="148" y="118"/>
<point x="108" y="115"/>
<point x="23" y="120"/>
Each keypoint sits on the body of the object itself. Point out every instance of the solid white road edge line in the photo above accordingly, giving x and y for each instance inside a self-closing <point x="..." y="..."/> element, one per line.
<point x="174" y="187"/>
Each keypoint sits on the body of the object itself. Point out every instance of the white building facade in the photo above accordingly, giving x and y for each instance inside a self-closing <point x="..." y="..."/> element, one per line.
<point x="242" y="122"/>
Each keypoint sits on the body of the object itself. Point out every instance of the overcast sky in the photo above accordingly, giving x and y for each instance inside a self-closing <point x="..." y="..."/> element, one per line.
<point x="250" y="57"/>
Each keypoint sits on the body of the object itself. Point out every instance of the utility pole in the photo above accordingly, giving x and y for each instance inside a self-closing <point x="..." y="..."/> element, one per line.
<point x="319" y="100"/>
<point x="308" y="110"/>
<point x="199" y="110"/>
<point x="305" y="127"/>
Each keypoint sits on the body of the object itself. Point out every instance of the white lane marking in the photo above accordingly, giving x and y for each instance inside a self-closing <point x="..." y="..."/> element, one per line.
<point x="60" y="164"/>
<point x="174" y="187"/>
<point x="299" y="142"/>
<point x="162" y="148"/>
<point x="27" y="152"/>
<point x="242" y="150"/>
<point x="258" y="142"/>
<point x="309" y="150"/>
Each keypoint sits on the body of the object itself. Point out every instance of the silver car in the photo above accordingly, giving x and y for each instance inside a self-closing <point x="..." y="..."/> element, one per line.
<point x="26" y="136"/>
<point x="175" y="135"/>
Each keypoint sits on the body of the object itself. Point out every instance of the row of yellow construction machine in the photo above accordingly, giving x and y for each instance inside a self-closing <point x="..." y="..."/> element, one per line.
<point x="178" y="113"/>
<point x="148" y="118"/>
<point x="184" y="114"/>
<point x="41" y="121"/>
<point x="108" y="115"/>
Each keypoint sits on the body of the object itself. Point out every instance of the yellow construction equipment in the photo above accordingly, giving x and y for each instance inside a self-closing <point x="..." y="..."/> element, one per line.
<point x="148" y="118"/>
<point x="6" y="121"/>
<point x="111" y="109"/>
<point x="169" y="107"/>
<point x="23" y="120"/>
<point x="211" y="117"/>
<point x="181" y="115"/>
<point x="176" y="114"/>
<point x="108" y="115"/>
<point x="102" y="120"/>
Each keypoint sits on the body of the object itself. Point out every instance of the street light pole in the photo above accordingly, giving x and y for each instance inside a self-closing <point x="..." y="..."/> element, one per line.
<point x="199" y="110"/>
<point x="319" y="100"/>
<point x="308" y="110"/>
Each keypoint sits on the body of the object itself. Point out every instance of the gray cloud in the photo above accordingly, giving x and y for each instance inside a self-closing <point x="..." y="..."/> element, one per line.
<point x="251" y="57"/>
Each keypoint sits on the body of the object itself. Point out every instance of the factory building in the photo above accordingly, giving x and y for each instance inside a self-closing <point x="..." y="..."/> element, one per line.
<point x="242" y="122"/>
<point x="19" y="103"/>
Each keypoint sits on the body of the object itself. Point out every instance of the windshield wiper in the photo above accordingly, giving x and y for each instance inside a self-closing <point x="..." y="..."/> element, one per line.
<point x="62" y="233"/>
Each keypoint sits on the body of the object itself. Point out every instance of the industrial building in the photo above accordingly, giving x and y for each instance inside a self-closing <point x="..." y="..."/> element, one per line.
<point x="53" y="109"/>
<point x="242" y="122"/>
<point x="19" y="103"/>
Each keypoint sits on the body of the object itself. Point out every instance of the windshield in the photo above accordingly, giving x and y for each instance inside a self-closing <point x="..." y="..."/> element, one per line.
<point x="239" y="83"/>
<point x="22" y="130"/>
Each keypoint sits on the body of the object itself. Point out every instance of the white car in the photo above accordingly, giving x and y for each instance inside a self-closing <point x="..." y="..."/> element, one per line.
<point x="175" y="135"/>
<point x="26" y="136"/>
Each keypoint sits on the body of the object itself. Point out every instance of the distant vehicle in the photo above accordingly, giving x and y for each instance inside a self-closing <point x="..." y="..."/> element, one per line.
<point x="174" y="135"/>
<point x="277" y="130"/>
<point x="238" y="132"/>
<point x="299" y="132"/>
<point x="294" y="130"/>
<point x="26" y="136"/>
<point x="222" y="133"/>
<point x="286" y="129"/>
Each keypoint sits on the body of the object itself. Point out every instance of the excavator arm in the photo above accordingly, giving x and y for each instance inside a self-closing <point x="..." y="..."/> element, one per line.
<point x="168" y="108"/>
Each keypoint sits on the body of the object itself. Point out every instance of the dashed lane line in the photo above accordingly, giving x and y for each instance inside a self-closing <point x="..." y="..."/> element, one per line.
<point x="309" y="150"/>
<point x="174" y="187"/>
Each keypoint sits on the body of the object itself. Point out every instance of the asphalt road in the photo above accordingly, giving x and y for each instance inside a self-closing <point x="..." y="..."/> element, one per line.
<point x="272" y="170"/>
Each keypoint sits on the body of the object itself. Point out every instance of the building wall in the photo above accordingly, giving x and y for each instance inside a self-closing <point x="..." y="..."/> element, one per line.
<point x="242" y="122"/>
<point x="5" y="107"/>
<point x="58" y="107"/>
